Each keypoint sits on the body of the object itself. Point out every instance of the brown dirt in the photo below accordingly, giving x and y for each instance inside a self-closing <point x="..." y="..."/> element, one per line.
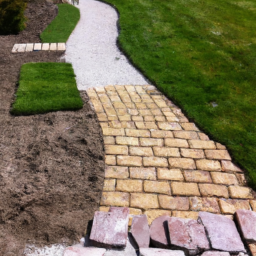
<point x="52" y="165"/>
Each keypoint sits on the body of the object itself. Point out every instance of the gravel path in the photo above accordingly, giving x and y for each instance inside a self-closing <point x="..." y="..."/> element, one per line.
<point x="92" y="49"/>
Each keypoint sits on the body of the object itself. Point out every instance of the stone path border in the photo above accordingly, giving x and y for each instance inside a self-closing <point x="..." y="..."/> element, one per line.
<point x="157" y="162"/>
<point x="30" y="47"/>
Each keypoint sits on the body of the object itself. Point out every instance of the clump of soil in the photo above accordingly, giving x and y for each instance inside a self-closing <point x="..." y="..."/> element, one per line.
<point x="51" y="165"/>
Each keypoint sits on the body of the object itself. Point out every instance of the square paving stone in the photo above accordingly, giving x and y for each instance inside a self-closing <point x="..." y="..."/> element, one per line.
<point x="222" y="233"/>
<point x="160" y="252"/>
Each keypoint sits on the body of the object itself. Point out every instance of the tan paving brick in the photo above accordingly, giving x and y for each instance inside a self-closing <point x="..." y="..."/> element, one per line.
<point x="143" y="173"/>
<point x="104" y="124"/>
<point x="240" y="192"/>
<point x="127" y="124"/>
<point x="112" y="118"/>
<point x="185" y="135"/>
<point x="160" y="103"/>
<point x="168" y="114"/>
<point x="151" y="142"/>
<point x="160" y="118"/>
<point x="178" y="143"/>
<point x="153" y="214"/>
<point x="208" y="165"/>
<point x="116" y="150"/>
<point x="252" y="248"/>
<point x="192" y="153"/>
<point x="203" y="136"/>
<point x="185" y="214"/>
<point x="137" y="118"/>
<point x="205" y="204"/>
<point x="102" y="117"/>
<point x="118" y="105"/>
<point x="169" y="126"/>
<point x="161" y="187"/>
<point x="145" y="125"/>
<point x="127" y="141"/>
<point x="145" y="112"/>
<point x="220" y="146"/>
<point x="129" y="160"/>
<point x="253" y="205"/>
<point x="224" y="178"/>
<point x="155" y="161"/>
<point x="116" y="172"/>
<point x="97" y="105"/>
<point x="213" y="190"/>
<point x="172" y="119"/>
<point x="124" y="118"/>
<point x="185" y="189"/>
<point x="109" y="185"/>
<point x="150" y="119"/>
<point x="217" y="154"/>
<point x="228" y="166"/>
<point x="133" y="212"/>
<point x="130" y="105"/>
<point x="137" y="133"/>
<point x="144" y="201"/>
<point x="241" y="179"/>
<point x="230" y="206"/>
<point x="189" y="126"/>
<point x="202" y="144"/>
<point x="169" y="174"/>
<point x="115" y="124"/>
<point x="161" y="134"/>
<point x="115" y="199"/>
<point x="140" y="151"/>
<point x="110" y="160"/>
<point x="141" y="105"/>
<point x="197" y="176"/>
<point x="151" y="105"/>
<point x="133" y="112"/>
<point x="174" y="203"/>
<point x="157" y="112"/>
<point x="104" y="208"/>
<point x="183" y="163"/>
<point x="166" y="152"/>
<point x="129" y="185"/>
<point x="109" y="140"/>
<point x="113" y="132"/>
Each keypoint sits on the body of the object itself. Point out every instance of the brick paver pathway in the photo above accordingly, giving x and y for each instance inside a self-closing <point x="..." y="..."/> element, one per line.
<point x="157" y="162"/>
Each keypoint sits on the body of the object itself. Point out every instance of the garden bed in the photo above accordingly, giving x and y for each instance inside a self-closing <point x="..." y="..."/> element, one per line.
<point x="52" y="165"/>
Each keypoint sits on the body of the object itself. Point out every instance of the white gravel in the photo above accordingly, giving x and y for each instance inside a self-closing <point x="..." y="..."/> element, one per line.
<point x="92" y="49"/>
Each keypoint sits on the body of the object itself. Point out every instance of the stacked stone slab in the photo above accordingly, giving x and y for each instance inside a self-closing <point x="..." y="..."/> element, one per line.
<point x="30" y="47"/>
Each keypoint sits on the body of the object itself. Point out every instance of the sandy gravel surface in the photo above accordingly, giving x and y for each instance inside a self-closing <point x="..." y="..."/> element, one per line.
<point x="92" y="49"/>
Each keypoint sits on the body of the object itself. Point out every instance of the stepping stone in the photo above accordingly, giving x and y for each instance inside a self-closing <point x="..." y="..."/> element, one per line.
<point x="215" y="253"/>
<point x="110" y="229"/>
<point x="247" y="223"/>
<point x="140" y="230"/>
<point x="53" y="47"/>
<point x="19" y="48"/>
<point x="159" y="232"/>
<point x="29" y="47"/>
<point x="188" y="234"/>
<point x="222" y="233"/>
<point x="79" y="250"/>
<point x="61" y="47"/>
<point x="37" y="47"/>
<point x="45" y="47"/>
<point x="160" y="252"/>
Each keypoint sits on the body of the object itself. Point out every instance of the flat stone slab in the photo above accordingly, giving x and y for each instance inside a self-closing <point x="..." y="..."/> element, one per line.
<point x="46" y="47"/>
<point x="140" y="230"/>
<point x="61" y="46"/>
<point x="19" y="48"/>
<point x="84" y="251"/>
<point x="160" y="252"/>
<point x="110" y="229"/>
<point x="29" y="47"/>
<point x="159" y="232"/>
<point x="215" y="253"/>
<point x="188" y="234"/>
<point x="37" y="47"/>
<point x="53" y="47"/>
<point x="247" y="222"/>
<point x="222" y="233"/>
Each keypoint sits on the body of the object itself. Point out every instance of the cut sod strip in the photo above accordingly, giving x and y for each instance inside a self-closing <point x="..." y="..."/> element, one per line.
<point x="45" y="87"/>
<point x="62" y="26"/>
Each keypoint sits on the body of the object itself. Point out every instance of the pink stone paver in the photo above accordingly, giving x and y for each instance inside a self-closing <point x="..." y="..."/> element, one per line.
<point x="84" y="251"/>
<point x="151" y="139"/>
<point x="160" y="252"/>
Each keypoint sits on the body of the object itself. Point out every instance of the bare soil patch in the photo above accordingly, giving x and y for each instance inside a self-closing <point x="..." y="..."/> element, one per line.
<point x="52" y="165"/>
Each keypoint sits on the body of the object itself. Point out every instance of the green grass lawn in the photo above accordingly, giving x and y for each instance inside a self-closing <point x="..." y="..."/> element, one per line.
<point x="62" y="26"/>
<point x="45" y="87"/>
<point x="199" y="52"/>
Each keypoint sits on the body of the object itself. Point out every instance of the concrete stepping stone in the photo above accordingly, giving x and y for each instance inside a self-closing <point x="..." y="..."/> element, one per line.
<point x="53" y="47"/>
<point x="159" y="232"/>
<point x="215" y="253"/>
<point x="29" y="47"/>
<point x="46" y="47"/>
<point x="247" y="223"/>
<point x="222" y="233"/>
<point x="160" y="252"/>
<point x="37" y="47"/>
<point x="19" y="48"/>
<point x="140" y="230"/>
<point x="188" y="234"/>
<point x="110" y="229"/>
<point x="61" y="47"/>
<point x="79" y="250"/>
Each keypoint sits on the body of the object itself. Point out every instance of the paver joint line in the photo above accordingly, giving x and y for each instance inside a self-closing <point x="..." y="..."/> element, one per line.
<point x="163" y="166"/>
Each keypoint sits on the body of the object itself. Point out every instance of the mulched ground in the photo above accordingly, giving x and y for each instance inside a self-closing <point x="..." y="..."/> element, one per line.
<point x="52" y="165"/>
